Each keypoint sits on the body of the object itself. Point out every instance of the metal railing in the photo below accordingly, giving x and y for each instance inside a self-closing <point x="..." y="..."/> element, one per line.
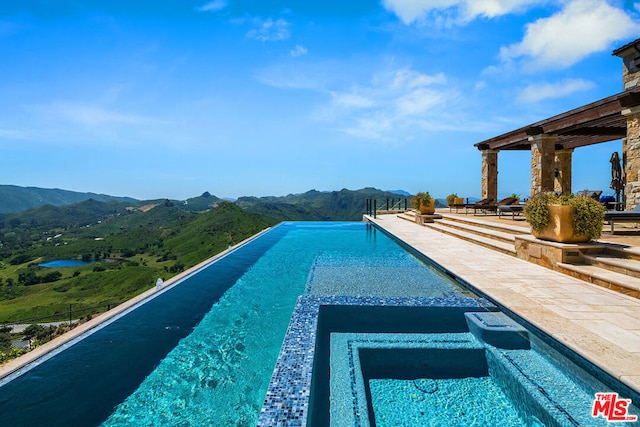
<point x="376" y="206"/>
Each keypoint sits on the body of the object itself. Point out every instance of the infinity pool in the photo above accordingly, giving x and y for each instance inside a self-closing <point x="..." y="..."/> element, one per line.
<point x="202" y="352"/>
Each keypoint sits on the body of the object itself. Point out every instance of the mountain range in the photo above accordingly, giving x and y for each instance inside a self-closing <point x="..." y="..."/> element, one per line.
<point x="17" y="199"/>
<point x="345" y="205"/>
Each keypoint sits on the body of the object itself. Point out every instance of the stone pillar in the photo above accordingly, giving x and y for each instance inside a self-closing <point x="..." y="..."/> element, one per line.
<point x="490" y="174"/>
<point x="631" y="158"/>
<point x="630" y="64"/>
<point x="562" y="171"/>
<point x="543" y="149"/>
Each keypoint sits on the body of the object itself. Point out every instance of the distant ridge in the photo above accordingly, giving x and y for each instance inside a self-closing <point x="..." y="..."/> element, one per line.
<point x="18" y="199"/>
<point x="400" y="193"/>
<point x="343" y="205"/>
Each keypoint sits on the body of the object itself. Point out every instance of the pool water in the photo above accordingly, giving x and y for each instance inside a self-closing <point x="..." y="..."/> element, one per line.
<point x="201" y="352"/>
<point x="471" y="401"/>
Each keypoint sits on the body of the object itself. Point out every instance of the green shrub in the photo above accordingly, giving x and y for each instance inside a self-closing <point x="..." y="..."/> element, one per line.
<point x="588" y="214"/>
<point x="451" y="198"/>
<point x="423" y="198"/>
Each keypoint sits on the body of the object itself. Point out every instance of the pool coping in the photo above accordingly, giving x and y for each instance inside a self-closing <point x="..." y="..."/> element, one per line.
<point x="20" y="365"/>
<point x="585" y="318"/>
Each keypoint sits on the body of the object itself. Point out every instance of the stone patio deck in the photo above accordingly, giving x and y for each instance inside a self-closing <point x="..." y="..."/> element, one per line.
<point x="601" y="325"/>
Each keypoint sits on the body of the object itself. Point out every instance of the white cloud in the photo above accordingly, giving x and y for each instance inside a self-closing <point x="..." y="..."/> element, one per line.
<point x="298" y="51"/>
<point x="402" y="99"/>
<point x="270" y="30"/>
<point x="535" y="93"/>
<point x="289" y="78"/>
<point x="580" y="29"/>
<point x="213" y="6"/>
<point x="411" y="79"/>
<point x="454" y="11"/>
<point x="87" y="115"/>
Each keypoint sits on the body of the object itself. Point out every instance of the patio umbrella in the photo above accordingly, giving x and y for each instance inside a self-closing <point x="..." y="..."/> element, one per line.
<point x="616" y="175"/>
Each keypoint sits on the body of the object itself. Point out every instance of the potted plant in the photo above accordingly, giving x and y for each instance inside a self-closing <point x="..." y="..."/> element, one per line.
<point x="424" y="203"/>
<point x="564" y="219"/>
<point x="517" y="197"/>
<point x="451" y="198"/>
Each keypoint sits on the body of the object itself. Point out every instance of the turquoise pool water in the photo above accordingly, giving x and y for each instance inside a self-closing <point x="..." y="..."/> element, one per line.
<point x="443" y="402"/>
<point x="202" y="352"/>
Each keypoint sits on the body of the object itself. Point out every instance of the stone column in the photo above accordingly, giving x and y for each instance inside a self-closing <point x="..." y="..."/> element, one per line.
<point x="562" y="171"/>
<point x="631" y="158"/>
<point x="543" y="149"/>
<point x="490" y="174"/>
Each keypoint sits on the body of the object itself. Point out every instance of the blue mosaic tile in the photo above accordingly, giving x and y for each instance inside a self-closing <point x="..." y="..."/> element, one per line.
<point x="287" y="399"/>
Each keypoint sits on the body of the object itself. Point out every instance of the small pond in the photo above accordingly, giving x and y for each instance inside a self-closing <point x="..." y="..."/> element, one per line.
<point x="60" y="263"/>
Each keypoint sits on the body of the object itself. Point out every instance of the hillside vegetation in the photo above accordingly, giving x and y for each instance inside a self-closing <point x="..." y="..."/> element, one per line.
<point x="131" y="243"/>
<point x="343" y="205"/>
<point x="129" y="249"/>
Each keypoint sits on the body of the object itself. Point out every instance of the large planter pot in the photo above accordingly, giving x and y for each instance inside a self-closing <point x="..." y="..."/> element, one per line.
<point x="560" y="227"/>
<point x="428" y="209"/>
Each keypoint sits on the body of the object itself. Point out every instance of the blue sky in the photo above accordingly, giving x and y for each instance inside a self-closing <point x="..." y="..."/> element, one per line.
<point x="151" y="98"/>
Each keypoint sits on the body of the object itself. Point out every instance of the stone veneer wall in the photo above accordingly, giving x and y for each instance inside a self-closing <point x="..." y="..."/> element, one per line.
<point x="630" y="73"/>
<point x="562" y="183"/>
<point x="542" y="163"/>
<point x="490" y="174"/>
<point x="631" y="158"/>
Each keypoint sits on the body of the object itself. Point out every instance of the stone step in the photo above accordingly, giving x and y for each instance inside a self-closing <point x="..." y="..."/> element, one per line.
<point x="603" y="277"/>
<point x="507" y="227"/>
<point x="507" y="248"/>
<point x="480" y="230"/>
<point x="622" y="251"/>
<point x="630" y="267"/>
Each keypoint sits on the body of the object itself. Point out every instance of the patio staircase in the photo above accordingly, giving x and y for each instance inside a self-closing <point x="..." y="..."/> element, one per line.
<point x="616" y="267"/>
<point x="492" y="235"/>
<point x="612" y="266"/>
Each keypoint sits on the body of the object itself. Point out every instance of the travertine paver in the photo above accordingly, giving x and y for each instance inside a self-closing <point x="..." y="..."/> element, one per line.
<point x="601" y="325"/>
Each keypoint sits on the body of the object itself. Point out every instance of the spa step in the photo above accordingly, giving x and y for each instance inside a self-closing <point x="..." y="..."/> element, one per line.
<point x="491" y="243"/>
<point x="602" y="277"/>
<point x="497" y="329"/>
<point x="629" y="267"/>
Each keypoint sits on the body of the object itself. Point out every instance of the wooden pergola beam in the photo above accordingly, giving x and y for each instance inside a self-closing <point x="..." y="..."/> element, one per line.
<point x="600" y="121"/>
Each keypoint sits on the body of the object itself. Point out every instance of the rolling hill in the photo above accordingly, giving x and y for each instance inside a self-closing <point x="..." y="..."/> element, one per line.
<point x="18" y="199"/>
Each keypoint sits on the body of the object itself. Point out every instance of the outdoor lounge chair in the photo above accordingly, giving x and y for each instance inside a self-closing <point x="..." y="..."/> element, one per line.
<point x="484" y="205"/>
<point x="509" y="205"/>
<point x="622" y="216"/>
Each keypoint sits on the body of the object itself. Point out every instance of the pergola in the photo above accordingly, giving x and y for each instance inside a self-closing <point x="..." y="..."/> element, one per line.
<point x="552" y="140"/>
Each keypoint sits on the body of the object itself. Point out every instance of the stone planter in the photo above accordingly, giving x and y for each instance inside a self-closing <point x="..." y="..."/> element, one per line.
<point x="428" y="209"/>
<point x="560" y="227"/>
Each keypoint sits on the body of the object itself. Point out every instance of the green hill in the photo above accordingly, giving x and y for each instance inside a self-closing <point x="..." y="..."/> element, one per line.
<point x="130" y="247"/>
<point x="18" y="199"/>
<point x="131" y="243"/>
<point x="343" y="205"/>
